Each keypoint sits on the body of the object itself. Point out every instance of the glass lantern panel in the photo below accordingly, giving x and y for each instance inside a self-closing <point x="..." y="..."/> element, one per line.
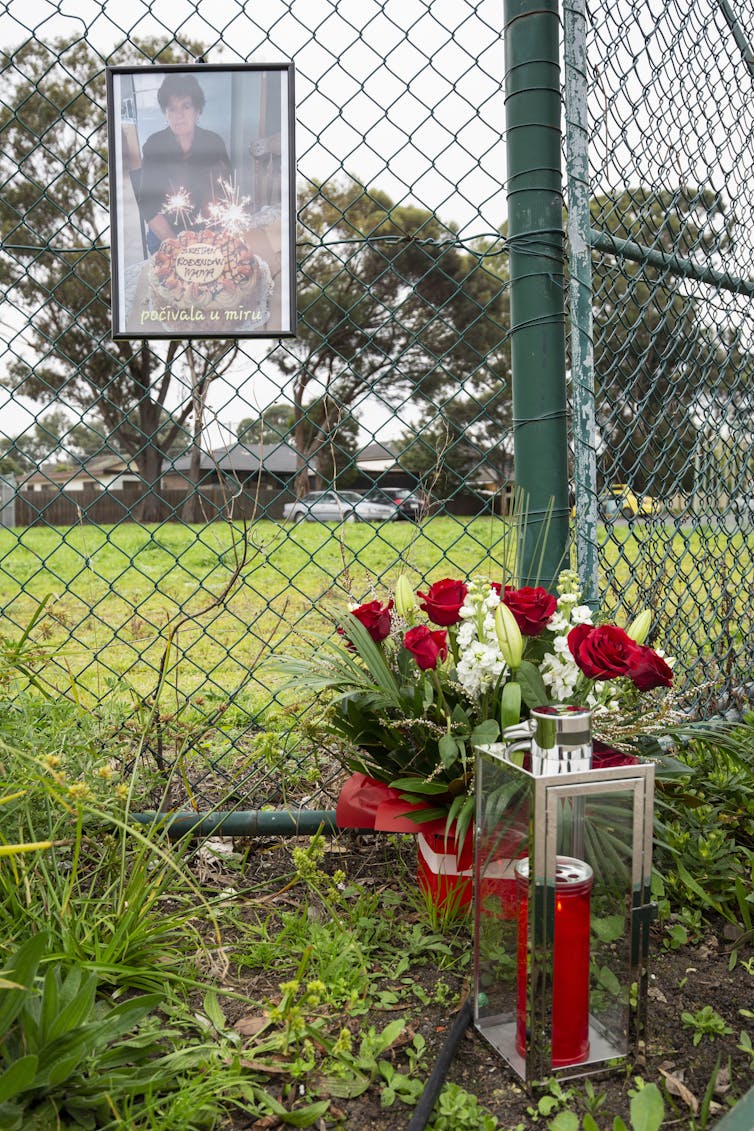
<point x="556" y="988"/>
<point x="602" y="827"/>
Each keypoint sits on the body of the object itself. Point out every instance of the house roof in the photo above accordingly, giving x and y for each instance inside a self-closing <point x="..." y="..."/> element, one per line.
<point x="109" y="464"/>
<point x="377" y="456"/>
<point x="240" y="458"/>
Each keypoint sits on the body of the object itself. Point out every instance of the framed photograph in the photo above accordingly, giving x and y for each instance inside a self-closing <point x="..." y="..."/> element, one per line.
<point x="202" y="201"/>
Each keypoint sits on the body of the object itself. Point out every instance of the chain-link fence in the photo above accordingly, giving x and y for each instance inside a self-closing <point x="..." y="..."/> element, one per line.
<point x="670" y="117"/>
<point x="155" y="487"/>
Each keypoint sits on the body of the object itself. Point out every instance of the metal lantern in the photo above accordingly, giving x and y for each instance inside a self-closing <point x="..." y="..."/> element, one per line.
<point x="563" y="854"/>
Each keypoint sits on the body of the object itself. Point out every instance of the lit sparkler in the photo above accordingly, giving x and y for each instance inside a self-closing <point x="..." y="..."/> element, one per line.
<point x="230" y="211"/>
<point x="179" y="206"/>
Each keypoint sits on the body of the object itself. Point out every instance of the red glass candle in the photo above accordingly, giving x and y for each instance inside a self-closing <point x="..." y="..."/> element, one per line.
<point x="570" y="964"/>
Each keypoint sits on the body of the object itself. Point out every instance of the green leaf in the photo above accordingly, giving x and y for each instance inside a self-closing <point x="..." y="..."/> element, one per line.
<point x="50" y="1006"/>
<point x="214" y="1012"/>
<point x="388" y="1036"/>
<point x="305" y="1116"/>
<point x="484" y="733"/>
<point x="19" y="1077"/>
<point x="416" y="785"/>
<point x="510" y="705"/>
<point x="609" y="981"/>
<point x="11" y="1117"/>
<point x="348" y="1088"/>
<point x="58" y="1071"/>
<point x="23" y="968"/>
<point x="448" y="750"/>
<point x="459" y="717"/>
<point x="565" y="1121"/>
<point x="78" y="1010"/>
<point x="609" y="928"/>
<point x="647" y="1109"/>
<point x="697" y="889"/>
<point x="533" y="688"/>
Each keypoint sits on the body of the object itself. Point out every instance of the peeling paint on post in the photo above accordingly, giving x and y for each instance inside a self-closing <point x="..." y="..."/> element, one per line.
<point x="580" y="298"/>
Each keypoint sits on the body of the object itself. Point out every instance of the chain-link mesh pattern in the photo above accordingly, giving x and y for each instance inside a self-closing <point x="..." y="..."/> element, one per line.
<point x="671" y="159"/>
<point x="145" y="486"/>
<point x="152" y="480"/>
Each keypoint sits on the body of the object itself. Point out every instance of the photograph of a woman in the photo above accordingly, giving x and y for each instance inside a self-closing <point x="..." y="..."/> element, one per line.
<point x="182" y="158"/>
<point x="202" y="206"/>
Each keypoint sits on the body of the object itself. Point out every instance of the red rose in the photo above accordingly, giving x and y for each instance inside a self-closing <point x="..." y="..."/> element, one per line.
<point x="496" y="587"/>
<point x="375" y="617"/>
<point x="425" y="646"/>
<point x="443" y="600"/>
<point x="532" y="607"/>
<point x="649" y="670"/>
<point x="605" y="652"/>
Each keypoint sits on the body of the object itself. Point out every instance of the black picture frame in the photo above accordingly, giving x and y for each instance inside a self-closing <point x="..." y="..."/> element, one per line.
<point x="202" y="200"/>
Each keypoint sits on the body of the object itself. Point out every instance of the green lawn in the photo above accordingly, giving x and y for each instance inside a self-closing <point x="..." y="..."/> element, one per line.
<point x="117" y="595"/>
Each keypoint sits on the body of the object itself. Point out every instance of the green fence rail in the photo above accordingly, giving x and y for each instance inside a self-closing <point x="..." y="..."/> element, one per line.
<point x="150" y="519"/>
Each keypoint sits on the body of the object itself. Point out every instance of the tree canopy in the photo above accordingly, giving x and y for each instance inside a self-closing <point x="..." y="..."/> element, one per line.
<point x="391" y="305"/>
<point x="54" y="266"/>
<point x="654" y="355"/>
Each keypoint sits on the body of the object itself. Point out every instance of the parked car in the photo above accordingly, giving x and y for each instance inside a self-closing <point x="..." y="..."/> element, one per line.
<point x="628" y="503"/>
<point x="411" y="504"/>
<point x="619" y="501"/>
<point x="339" y="506"/>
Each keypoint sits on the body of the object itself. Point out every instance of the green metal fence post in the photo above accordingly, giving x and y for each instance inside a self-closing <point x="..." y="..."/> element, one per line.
<point x="535" y="230"/>
<point x="584" y="426"/>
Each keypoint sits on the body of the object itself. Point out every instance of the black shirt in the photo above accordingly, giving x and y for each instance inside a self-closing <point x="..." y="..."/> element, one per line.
<point x="166" y="168"/>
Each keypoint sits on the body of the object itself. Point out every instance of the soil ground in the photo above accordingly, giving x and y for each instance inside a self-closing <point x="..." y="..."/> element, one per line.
<point x="682" y="979"/>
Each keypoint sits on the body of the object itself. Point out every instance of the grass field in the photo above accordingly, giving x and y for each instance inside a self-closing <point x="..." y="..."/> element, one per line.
<point x="225" y="597"/>
<point x="115" y="595"/>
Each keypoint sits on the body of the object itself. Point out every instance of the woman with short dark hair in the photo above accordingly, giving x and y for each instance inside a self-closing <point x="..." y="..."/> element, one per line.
<point x="182" y="164"/>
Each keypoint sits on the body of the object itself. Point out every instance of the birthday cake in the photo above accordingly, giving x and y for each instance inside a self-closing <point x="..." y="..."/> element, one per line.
<point x="206" y="277"/>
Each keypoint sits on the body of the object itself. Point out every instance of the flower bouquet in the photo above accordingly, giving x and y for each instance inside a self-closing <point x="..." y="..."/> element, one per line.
<point x="419" y="679"/>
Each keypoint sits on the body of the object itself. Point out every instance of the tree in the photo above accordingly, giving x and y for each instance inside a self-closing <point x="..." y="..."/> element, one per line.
<point x="54" y="437"/>
<point x="54" y="265"/>
<point x="389" y="305"/>
<point x="273" y="424"/>
<point x="463" y="432"/>
<point x="460" y="440"/>
<point x="649" y="337"/>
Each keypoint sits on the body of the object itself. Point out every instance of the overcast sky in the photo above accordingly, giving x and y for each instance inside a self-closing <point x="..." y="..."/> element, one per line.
<point x="408" y="96"/>
<point x="404" y="94"/>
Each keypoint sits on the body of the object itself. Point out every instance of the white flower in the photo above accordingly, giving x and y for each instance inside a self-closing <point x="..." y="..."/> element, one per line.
<point x="559" y="670"/>
<point x="581" y="614"/>
<point x="558" y="622"/>
<point x="480" y="664"/>
<point x="568" y="599"/>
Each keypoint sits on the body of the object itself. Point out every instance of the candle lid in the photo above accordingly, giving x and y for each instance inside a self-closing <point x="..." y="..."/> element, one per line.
<point x="568" y="871"/>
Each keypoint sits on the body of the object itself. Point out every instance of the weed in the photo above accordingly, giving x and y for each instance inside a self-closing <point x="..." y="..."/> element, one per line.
<point x="745" y="1045"/>
<point x="594" y="1101"/>
<point x="398" y="1086"/>
<point x="554" y="1098"/>
<point x="57" y="1044"/>
<point x="706" y="1022"/>
<point x="458" y="1110"/>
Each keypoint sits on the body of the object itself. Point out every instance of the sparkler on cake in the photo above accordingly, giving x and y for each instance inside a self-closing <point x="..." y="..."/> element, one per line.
<point x="209" y="274"/>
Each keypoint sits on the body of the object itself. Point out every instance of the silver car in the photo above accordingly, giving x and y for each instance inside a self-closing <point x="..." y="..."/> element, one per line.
<point x="339" y="506"/>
